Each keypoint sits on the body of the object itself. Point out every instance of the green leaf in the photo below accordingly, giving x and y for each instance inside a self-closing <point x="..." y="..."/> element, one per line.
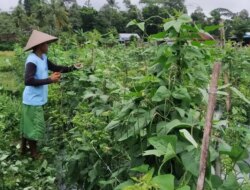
<point x="113" y="124"/>
<point x="131" y="23"/>
<point x="164" y="182"/>
<point x="141" y="25"/>
<point x="107" y="182"/>
<point x="204" y="95"/>
<point x="238" y="93"/>
<point x="191" y="161"/>
<point x="177" y="26"/>
<point x="210" y="42"/>
<point x="168" y="25"/>
<point x="180" y="111"/>
<point x="224" y="86"/>
<point x="143" y="168"/>
<point x="166" y="127"/>
<point x="164" y="145"/>
<point x="71" y="93"/>
<point x="224" y="148"/>
<point x="213" y="154"/>
<point x="189" y="137"/>
<point x="185" y="18"/>
<point x="93" y="78"/>
<point x="157" y="153"/>
<point x="220" y="124"/>
<point x="238" y="153"/>
<point x="104" y="98"/>
<point x="88" y="94"/>
<point x="184" y="188"/>
<point x="3" y="157"/>
<point x="161" y="142"/>
<point x="158" y="36"/>
<point x="216" y="181"/>
<point x="169" y="154"/>
<point x="244" y="167"/>
<point x="141" y="121"/>
<point x="124" y="185"/>
<point x="29" y="188"/>
<point x="126" y="110"/>
<point x="181" y="93"/>
<point x="230" y="183"/>
<point x="44" y="164"/>
<point x="148" y="176"/>
<point x="196" y="43"/>
<point x="193" y="53"/>
<point x="162" y="93"/>
<point x="211" y="28"/>
<point x="50" y="179"/>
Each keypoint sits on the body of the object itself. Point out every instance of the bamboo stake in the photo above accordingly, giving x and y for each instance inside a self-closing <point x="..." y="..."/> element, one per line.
<point x="208" y="125"/>
<point x="228" y="97"/>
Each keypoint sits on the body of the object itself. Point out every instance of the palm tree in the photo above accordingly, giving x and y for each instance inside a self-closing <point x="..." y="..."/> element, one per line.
<point x="224" y="12"/>
<point x="112" y="3"/>
<point x="110" y="9"/>
<point x="59" y="14"/>
<point x="70" y="1"/>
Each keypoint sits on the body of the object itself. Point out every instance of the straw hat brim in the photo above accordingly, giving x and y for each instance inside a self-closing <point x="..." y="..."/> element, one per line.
<point x="38" y="38"/>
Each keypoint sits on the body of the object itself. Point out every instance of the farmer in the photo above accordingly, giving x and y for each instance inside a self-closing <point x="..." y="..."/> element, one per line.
<point x="35" y="94"/>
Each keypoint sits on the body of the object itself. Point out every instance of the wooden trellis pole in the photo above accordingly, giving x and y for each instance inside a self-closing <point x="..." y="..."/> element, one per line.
<point x="208" y="125"/>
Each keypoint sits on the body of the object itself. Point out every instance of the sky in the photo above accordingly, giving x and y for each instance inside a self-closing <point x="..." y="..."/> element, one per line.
<point x="206" y="5"/>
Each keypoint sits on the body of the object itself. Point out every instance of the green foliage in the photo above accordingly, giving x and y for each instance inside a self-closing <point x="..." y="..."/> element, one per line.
<point x="133" y="117"/>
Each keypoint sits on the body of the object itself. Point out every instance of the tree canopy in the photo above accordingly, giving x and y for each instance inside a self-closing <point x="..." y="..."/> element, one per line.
<point x="56" y="16"/>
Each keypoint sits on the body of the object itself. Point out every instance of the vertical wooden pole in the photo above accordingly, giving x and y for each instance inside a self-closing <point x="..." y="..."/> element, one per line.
<point x="208" y="125"/>
<point x="228" y="97"/>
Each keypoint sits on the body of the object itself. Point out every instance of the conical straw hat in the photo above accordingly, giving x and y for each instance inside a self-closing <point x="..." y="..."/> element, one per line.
<point x="37" y="38"/>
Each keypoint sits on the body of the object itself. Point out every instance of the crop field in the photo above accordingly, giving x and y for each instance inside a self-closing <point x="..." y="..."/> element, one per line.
<point x="133" y="117"/>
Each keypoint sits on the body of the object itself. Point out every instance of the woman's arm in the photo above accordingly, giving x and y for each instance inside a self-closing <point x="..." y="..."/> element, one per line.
<point x="30" y="80"/>
<point x="60" y="68"/>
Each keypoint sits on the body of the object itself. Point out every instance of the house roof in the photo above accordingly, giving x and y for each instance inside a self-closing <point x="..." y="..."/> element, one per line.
<point x="127" y="36"/>
<point x="247" y="35"/>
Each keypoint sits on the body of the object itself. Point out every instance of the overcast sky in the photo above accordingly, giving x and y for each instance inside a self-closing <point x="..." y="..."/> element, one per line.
<point x="206" y="5"/>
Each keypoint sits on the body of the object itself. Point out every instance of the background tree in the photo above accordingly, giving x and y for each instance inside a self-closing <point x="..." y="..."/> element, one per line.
<point x="132" y="13"/>
<point x="199" y="16"/>
<point x="221" y="15"/>
<point x="88" y="18"/>
<point x="75" y="15"/>
<point x="243" y="14"/>
<point x="154" y="16"/>
<point x="169" y="5"/>
<point x="173" y="5"/>
<point x="7" y="32"/>
<point x="108" y="18"/>
<point x="112" y="3"/>
<point x="29" y="5"/>
<point x="58" y="15"/>
<point x="240" y="24"/>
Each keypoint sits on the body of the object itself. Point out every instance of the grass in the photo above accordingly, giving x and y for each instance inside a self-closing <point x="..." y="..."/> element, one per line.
<point x="9" y="82"/>
<point x="7" y="53"/>
<point x="6" y="60"/>
<point x="8" y="79"/>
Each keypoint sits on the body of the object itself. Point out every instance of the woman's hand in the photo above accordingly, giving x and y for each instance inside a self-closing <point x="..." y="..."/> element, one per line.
<point x="55" y="77"/>
<point x="78" y="65"/>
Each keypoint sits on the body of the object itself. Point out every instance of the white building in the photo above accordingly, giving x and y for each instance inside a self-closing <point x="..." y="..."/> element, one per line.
<point x="125" y="37"/>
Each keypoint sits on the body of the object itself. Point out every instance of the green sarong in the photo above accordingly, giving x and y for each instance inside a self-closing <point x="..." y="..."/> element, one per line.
<point x="32" y="122"/>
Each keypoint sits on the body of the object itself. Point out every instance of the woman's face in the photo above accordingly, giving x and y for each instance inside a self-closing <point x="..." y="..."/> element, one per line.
<point x="44" y="47"/>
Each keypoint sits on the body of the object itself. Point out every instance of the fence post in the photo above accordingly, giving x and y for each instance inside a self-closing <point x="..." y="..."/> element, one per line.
<point x="208" y="125"/>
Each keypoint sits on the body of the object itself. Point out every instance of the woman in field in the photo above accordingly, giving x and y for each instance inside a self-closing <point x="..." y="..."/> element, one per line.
<point x="35" y="94"/>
